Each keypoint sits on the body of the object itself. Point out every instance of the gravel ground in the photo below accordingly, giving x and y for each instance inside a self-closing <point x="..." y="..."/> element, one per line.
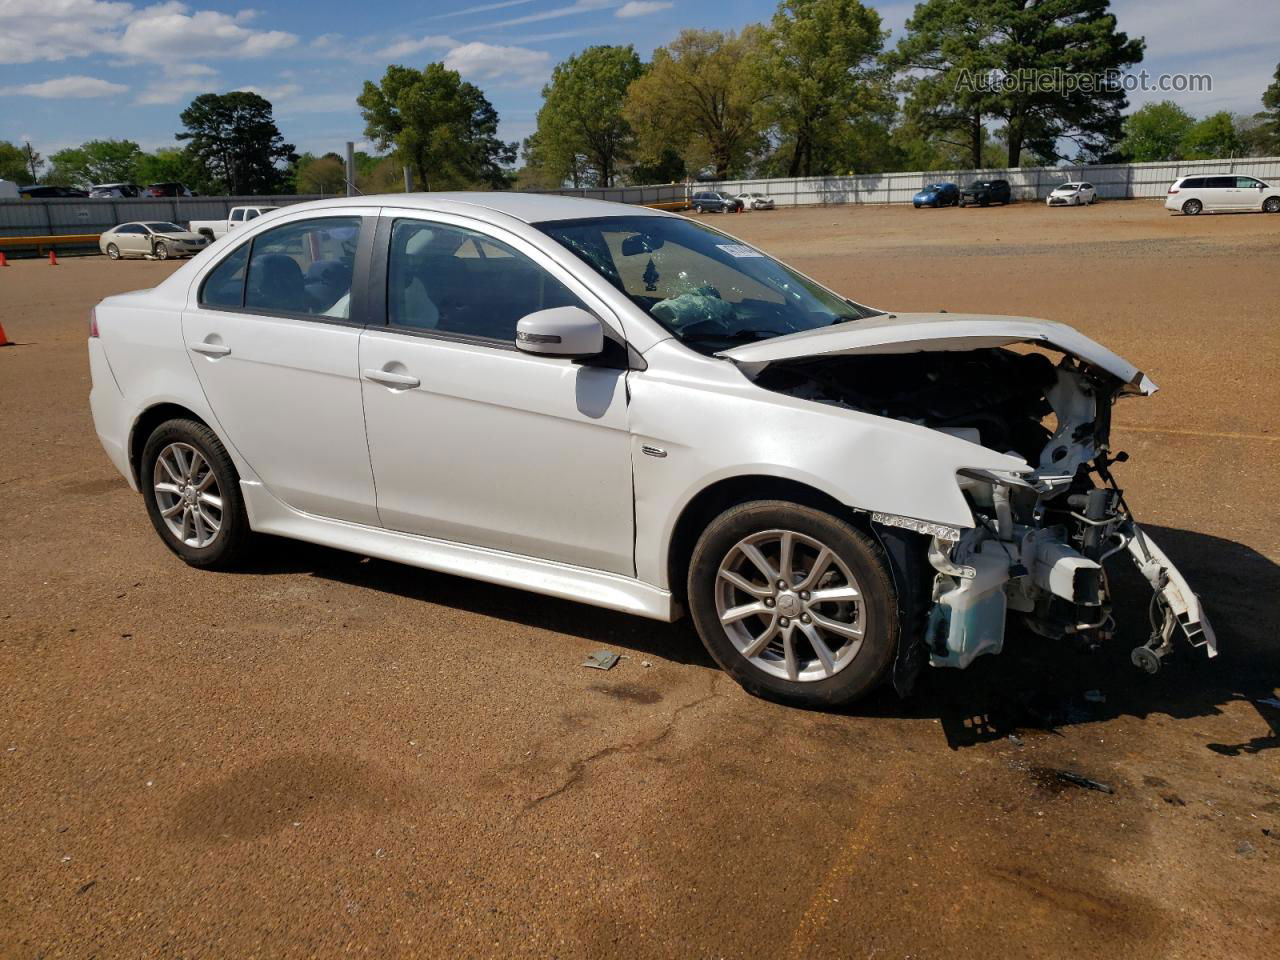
<point x="326" y="755"/>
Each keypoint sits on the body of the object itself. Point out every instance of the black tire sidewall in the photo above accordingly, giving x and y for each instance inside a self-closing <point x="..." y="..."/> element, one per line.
<point x="162" y="251"/>
<point x="865" y="559"/>
<point x="1192" y="208"/>
<point x="234" y="533"/>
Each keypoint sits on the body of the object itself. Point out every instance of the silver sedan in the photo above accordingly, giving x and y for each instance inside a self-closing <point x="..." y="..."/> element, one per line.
<point x="152" y="239"/>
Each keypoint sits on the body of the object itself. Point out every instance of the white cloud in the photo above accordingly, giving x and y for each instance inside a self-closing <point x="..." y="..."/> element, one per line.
<point x="642" y="8"/>
<point x="408" y="47"/>
<point x="169" y="31"/>
<point x="178" y="82"/>
<point x="579" y="6"/>
<point x="483" y="61"/>
<point x="34" y="30"/>
<point x="64" y="87"/>
<point x="283" y="92"/>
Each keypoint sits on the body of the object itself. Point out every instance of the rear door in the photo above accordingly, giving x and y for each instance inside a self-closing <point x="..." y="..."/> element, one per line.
<point x="1220" y="193"/>
<point x="274" y="335"/>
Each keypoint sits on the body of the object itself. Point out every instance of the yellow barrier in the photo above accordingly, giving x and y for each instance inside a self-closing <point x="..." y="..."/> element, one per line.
<point x="669" y="205"/>
<point x="49" y="241"/>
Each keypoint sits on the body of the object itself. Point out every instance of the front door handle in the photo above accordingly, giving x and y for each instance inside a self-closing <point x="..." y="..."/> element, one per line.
<point x="210" y="349"/>
<point x="389" y="379"/>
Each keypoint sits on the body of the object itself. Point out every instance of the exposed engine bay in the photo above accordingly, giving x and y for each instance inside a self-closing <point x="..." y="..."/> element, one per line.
<point x="1040" y="538"/>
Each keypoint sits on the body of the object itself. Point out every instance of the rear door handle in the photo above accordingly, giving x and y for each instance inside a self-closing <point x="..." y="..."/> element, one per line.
<point x="389" y="379"/>
<point x="210" y="349"/>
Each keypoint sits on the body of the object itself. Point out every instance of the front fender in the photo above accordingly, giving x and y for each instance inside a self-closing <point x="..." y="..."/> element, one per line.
<point x="713" y="424"/>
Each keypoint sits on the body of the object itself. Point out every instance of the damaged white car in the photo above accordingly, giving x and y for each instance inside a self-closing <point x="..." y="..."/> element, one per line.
<point x="628" y="408"/>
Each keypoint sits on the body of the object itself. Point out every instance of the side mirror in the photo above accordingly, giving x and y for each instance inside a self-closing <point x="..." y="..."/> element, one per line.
<point x="560" y="332"/>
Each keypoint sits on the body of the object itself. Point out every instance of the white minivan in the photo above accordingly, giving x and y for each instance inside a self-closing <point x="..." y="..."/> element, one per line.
<point x="1191" y="195"/>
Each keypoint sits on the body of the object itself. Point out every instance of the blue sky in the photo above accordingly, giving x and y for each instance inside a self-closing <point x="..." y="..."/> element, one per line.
<point x="75" y="70"/>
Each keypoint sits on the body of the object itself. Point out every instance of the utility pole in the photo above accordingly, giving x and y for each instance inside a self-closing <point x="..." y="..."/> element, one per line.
<point x="351" y="168"/>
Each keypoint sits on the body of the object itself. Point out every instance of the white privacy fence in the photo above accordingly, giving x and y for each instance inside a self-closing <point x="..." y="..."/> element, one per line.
<point x="1113" y="180"/>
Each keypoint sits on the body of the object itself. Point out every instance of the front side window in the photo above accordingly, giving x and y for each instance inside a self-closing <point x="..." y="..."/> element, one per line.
<point x="237" y="216"/>
<point x="304" y="267"/>
<point x="706" y="289"/>
<point x="1247" y="183"/>
<point x="453" y="280"/>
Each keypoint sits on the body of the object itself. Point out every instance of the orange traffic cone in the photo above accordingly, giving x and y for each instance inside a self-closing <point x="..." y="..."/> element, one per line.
<point x="4" y="341"/>
<point x="53" y="258"/>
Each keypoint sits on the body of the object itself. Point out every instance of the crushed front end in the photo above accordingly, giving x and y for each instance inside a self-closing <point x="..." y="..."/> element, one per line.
<point x="1041" y="537"/>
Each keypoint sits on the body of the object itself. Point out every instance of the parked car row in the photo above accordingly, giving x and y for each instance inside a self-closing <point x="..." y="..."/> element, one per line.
<point x="104" y="191"/>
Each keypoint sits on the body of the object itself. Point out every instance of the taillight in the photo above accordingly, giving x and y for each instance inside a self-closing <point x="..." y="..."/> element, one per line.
<point x="93" y="322"/>
<point x="1173" y="189"/>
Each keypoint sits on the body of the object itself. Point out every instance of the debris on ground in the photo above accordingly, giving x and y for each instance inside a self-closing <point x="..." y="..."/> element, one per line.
<point x="601" y="660"/>
<point x="1245" y="849"/>
<point x="1095" y="696"/>
<point x="1066" y="776"/>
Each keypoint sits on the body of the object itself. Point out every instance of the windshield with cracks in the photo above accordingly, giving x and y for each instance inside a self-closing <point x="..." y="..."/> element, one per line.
<point x="705" y="288"/>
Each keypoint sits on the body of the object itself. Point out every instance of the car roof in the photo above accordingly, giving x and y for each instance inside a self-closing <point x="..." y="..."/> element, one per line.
<point x="528" y="207"/>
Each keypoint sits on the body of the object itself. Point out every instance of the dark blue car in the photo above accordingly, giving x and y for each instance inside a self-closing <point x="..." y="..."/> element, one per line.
<point x="937" y="195"/>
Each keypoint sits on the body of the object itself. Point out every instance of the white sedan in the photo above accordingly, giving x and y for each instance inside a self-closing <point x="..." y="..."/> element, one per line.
<point x="152" y="239"/>
<point x="755" y="201"/>
<point x="628" y="408"/>
<point x="1072" y="195"/>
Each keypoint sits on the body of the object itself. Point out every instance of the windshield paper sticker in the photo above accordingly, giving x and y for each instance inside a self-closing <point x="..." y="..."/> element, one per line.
<point x="738" y="250"/>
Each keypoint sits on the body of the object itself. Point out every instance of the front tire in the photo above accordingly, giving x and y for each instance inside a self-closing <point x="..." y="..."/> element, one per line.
<point x="1192" y="208"/>
<point x="192" y="493"/>
<point x="162" y="251"/>
<point x="795" y="604"/>
<point x="1271" y="205"/>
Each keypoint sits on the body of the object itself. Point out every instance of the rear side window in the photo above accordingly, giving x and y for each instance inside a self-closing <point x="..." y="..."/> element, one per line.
<point x="251" y="214"/>
<point x="304" y="268"/>
<point x="1192" y="183"/>
<point x="1220" y="183"/>
<point x="452" y="280"/>
<point x="224" y="287"/>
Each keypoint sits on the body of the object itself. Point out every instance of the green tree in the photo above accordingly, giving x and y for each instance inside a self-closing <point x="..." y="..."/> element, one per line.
<point x="96" y="161"/>
<point x="820" y="78"/>
<point x="13" y="163"/>
<point x="582" y="115"/>
<point x="1214" y="136"/>
<point x="175" y="165"/>
<point x="438" y="124"/>
<point x="1155" y="132"/>
<point x="234" y="136"/>
<point x="697" y="100"/>
<point x="33" y="160"/>
<point x="1268" y="138"/>
<point x="325" y="174"/>
<point x="1021" y="62"/>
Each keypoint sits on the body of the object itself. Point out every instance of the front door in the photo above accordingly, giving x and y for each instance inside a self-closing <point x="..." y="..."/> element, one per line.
<point x="276" y="347"/>
<point x="473" y="441"/>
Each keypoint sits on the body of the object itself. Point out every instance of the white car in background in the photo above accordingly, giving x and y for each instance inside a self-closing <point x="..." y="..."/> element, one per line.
<point x="628" y="408"/>
<point x="237" y="217"/>
<point x="152" y="239"/>
<point x="1075" y="194"/>
<point x="756" y="201"/>
<point x="1220" y="193"/>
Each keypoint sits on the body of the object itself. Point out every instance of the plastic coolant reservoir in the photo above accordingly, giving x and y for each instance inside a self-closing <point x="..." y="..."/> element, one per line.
<point x="971" y="615"/>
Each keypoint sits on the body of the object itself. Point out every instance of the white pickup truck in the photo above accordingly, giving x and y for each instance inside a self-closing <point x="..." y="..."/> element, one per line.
<point x="239" y="216"/>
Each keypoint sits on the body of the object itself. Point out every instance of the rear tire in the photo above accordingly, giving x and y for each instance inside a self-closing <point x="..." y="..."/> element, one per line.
<point x="824" y="639"/>
<point x="698" y="210"/>
<point x="1192" y="208"/>
<point x="190" y="487"/>
<point x="113" y="252"/>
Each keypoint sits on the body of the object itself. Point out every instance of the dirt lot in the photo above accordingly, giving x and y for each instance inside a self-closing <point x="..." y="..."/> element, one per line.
<point x="326" y="755"/>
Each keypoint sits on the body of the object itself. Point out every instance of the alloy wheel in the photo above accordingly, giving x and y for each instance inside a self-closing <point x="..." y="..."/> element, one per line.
<point x="187" y="495"/>
<point x="790" y="605"/>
